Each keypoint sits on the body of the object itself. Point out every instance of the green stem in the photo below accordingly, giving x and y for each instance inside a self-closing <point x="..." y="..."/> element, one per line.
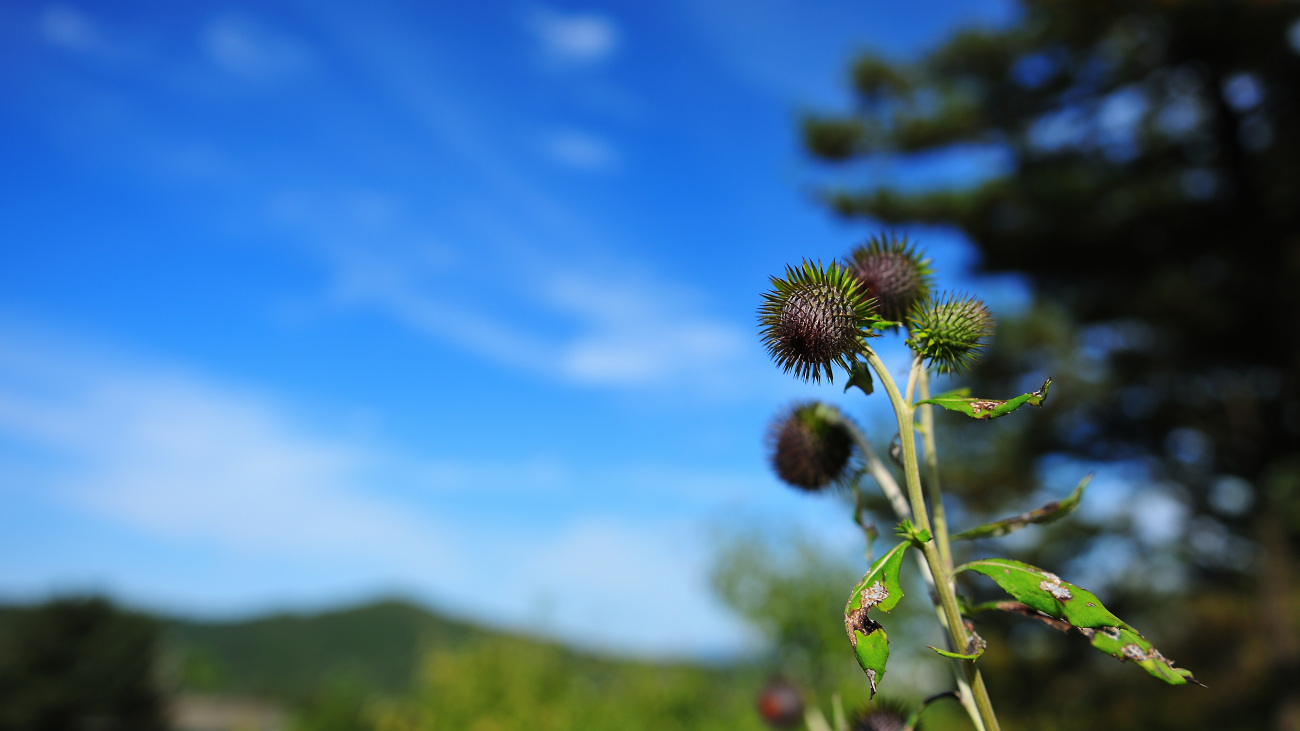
<point x="905" y="413"/>
<point x="878" y="471"/>
<point x="932" y="473"/>
<point x="888" y="485"/>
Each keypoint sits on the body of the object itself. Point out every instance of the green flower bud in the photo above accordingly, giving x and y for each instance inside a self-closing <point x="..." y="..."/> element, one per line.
<point x="815" y="318"/>
<point x="951" y="331"/>
<point x="893" y="273"/>
<point x="810" y="446"/>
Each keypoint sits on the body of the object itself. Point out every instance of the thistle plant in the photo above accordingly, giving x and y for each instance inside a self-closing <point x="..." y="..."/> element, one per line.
<point x="818" y="319"/>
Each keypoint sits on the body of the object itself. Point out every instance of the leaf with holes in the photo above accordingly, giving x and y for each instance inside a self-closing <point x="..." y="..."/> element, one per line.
<point x="1125" y="644"/>
<point x="1049" y="513"/>
<point x="879" y="588"/>
<point x="978" y="408"/>
<point x="1045" y="592"/>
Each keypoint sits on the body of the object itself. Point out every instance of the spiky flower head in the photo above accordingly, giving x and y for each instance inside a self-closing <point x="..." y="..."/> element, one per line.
<point x="880" y="716"/>
<point x="815" y="318"/>
<point x="951" y="331"/>
<point x="810" y="445"/>
<point x="893" y="272"/>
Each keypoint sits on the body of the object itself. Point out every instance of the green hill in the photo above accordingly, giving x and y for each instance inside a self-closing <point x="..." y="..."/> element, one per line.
<point x="389" y="664"/>
<point x="377" y="647"/>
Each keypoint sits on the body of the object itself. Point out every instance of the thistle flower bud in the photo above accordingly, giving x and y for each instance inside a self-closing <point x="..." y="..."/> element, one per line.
<point x="893" y="273"/>
<point x="780" y="704"/>
<point x="879" y="716"/>
<point x="814" y="319"/>
<point x="951" y="331"/>
<point x="810" y="446"/>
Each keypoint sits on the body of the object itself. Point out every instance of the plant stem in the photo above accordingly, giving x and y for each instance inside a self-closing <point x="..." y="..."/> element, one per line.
<point x="878" y="471"/>
<point x="932" y="473"/>
<point x="888" y="485"/>
<point x="912" y="375"/>
<point x="905" y="413"/>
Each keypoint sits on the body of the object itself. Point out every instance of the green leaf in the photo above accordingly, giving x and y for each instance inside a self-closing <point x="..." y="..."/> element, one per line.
<point x="879" y="588"/>
<point x="916" y="536"/>
<point x="975" y="408"/>
<point x="974" y="647"/>
<point x="1126" y="644"/>
<point x="871" y="648"/>
<point x="1045" y="592"/>
<point x="957" y="656"/>
<point x="860" y="376"/>
<point x="1049" y="513"/>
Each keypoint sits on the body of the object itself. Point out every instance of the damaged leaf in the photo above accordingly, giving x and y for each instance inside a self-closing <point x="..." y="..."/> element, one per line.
<point x="1125" y="644"/>
<point x="860" y="376"/>
<point x="1049" y="513"/>
<point x="1045" y="592"/>
<point x="879" y="588"/>
<point x="976" y="408"/>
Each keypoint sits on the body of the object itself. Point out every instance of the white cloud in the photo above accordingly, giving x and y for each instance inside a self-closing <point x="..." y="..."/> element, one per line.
<point x="599" y="325"/>
<point x="70" y="28"/>
<point x="639" y="330"/>
<point x="580" y="37"/>
<point x="158" y="456"/>
<point x="658" y="573"/>
<point x="173" y="456"/>
<point x="581" y="151"/>
<point x="248" y="49"/>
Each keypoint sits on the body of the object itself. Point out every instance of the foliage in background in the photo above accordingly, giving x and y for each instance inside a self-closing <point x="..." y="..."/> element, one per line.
<point x="390" y="665"/>
<point x="1153" y="164"/>
<point x="78" y="664"/>
<point x="514" y="683"/>
<point x="793" y="595"/>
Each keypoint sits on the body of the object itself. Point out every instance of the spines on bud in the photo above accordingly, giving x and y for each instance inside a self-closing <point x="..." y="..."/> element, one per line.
<point x="893" y="273"/>
<point x="951" y="331"/>
<point x="814" y="319"/>
<point x="810" y="446"/>
<point x="879" y="716"/>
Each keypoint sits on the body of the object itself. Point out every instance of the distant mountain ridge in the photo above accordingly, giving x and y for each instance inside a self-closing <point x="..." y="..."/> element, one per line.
<point x="374" y="647"/>
<point x="344" y="670"/>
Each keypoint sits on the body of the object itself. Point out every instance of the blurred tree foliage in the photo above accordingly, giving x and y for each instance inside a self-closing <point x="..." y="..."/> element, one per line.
<point x="792" y="590"/>
<point x="78" y="664"/>
<point x="338" y="705"/>
<point x="795" y="599"/>
<point x="1150" y="198"/>
<point x="504" y="684"/>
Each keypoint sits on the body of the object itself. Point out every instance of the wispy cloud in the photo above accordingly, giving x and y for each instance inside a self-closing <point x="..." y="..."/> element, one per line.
<point x="253" y="51"/>
<point x="70" y="28"/>
<point x="581" y="151"/>
<point x="186" y="463"/>
<point x="178" y="457"/>
<point x="560" y="317"/>
<point x="573" y="38"/>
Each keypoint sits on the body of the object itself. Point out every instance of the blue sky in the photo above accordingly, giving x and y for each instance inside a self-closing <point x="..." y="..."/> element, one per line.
<point x="304" y="303"/>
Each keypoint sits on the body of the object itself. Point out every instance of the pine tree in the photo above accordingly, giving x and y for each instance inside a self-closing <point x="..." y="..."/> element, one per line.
<point x="1151" y="198"/>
